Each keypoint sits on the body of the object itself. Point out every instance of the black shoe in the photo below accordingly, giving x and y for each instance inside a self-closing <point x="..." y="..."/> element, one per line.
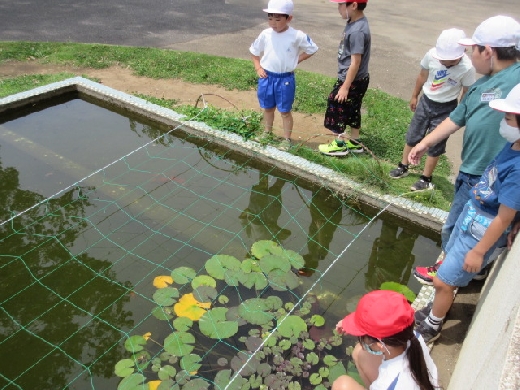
<point x="422" y="314"/>
<point x="428" y="333"/>
<point x="424" y="183"/>
<point x="400" y="171"/>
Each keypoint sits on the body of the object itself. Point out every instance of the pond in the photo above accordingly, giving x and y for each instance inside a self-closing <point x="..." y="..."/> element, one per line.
<point x="96" y="203"/>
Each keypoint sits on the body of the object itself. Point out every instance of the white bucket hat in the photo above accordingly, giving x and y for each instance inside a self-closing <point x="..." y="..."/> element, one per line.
<point x="448" y="47"/>
<point x="510" y="104"/>
<point x="497" y="31"/>
<point x="282" y="7"/>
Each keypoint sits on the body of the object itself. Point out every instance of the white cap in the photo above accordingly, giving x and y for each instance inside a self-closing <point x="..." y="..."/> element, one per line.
<point x="497" y="31"/>
<point x="283" y="7"/>
<point x="510" y="104"/>
<point x="447" y="47"/>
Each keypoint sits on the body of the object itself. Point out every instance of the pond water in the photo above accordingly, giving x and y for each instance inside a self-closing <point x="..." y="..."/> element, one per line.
<point x="77" y="269"/>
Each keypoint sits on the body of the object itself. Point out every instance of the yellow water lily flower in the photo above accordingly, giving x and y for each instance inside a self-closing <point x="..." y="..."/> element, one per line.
<point x="147" y="335"/>
<point x="153" y="385"/>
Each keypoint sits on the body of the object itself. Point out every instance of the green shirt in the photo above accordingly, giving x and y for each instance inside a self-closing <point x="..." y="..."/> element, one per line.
<point x="482" y="141"/>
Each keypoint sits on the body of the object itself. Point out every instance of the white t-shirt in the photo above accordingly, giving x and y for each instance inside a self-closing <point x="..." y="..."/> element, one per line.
<point x="399" y="368"/>
<point x="281" y="50"/>
<point x="444" y="84"/>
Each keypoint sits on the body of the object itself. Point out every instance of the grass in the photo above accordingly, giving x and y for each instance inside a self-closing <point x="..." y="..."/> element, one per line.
<point x="385" y="118"/>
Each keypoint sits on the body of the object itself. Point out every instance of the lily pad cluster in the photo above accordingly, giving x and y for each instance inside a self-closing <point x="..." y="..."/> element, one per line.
<point x="235" y="326"/>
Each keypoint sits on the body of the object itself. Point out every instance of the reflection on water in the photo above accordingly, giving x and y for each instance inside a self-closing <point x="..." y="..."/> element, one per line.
<point x="77" y="271"/>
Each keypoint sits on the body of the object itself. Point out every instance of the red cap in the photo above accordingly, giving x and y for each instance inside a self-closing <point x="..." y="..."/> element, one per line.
<point x="379" y="314"/>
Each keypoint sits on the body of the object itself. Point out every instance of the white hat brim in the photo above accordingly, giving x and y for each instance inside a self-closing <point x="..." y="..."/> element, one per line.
<point x="504" y="106"/>
<point x="467" y="42"/>
<point x="437" y="57"/>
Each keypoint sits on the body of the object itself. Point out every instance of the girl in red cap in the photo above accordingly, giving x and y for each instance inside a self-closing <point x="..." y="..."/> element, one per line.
<point x="388" y="355"/>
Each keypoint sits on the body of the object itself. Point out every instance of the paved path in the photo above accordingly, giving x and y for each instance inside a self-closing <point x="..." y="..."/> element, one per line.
<point x="402" y="30"/>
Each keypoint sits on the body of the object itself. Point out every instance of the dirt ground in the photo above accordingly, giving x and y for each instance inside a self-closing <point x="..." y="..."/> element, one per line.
<point x="307" y="128"/>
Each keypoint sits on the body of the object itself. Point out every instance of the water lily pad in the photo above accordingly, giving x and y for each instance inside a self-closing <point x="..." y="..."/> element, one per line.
<point x="336" y="371"/>
<point x="400" y="288"/>
<point x="223" y="381"/>
<point x="190" y="363"/>
<point x="183" y="275"/>
<point x="294" y="258"/>
<point x="292" y="326"/>
<point x="250" y="265"/>
<point x="330" y="360"/>
<point x="294" y="386"/>
<point x="162" y="281"/>
<point x="213" y="324"/>
<point x="162" y="313"/>
<point x="312" y="358"/>
<point x="315" y="379"/>
<point x="182" y="324"/>
<point x="265" y="247"/>
<point x="232" y="277"/>
<point x="317" y="320"/>
<point x="324" y="372"/>
<point x="168" y="385"/>
<point x="189" y="307"/>
<point x="281" y="280"/>
<point x="309" y="344"/>
<point x="243" y="364"/>
<point x="205" y="294"/>
<point x="255" y="311"/>
<point x="263" y="369"/>
<point x="254" y="279"/>
<point x="272" y="262"/>
<point x="142" y="360"/>
<point x="167" y="372"/>
<point x="179" y="343"/>
<point x="203" y="280"/>
<point x="351" y="371"/>
<point x="196" y="384"/>
<point x="132" y="382"/>
<point x="166" y="296"/>
<point x="135" y="343"/>
<point x="223" y="299"/>
<point x="219" y="265"/>
<point x="253" y="343"/>
<point x="124" y="368"/>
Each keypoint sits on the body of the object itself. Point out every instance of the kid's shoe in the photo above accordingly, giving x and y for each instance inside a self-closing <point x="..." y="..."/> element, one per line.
<point x="335" y="148"/>
<point x="483" y="274"/>
<point x="422" y="314"/>
<point x="264" y="137"/>
<point x="354" y="146"/>
<point x="400" y="171"/>
<point x="428" y="333"/>
<point x="425" y="275"/>
<point x="424" y="183"/>
<point x="285" y="144"/>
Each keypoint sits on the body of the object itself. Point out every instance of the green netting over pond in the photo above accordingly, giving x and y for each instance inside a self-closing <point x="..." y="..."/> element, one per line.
<point x="181" y="265"/>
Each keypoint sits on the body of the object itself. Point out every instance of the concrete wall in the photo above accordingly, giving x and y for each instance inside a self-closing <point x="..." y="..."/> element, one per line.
<point x="490" y="355"/>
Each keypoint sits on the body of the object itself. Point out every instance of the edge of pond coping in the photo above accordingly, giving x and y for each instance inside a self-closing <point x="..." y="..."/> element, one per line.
<point x="429" y="217"/>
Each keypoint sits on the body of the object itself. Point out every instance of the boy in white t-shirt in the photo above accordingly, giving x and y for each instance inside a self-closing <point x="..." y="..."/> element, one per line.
<point x="445" y="71"/>
<point x="283" y="49"/>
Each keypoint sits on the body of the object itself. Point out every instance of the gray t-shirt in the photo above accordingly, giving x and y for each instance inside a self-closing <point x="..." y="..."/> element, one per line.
<point x="355" y="40"/>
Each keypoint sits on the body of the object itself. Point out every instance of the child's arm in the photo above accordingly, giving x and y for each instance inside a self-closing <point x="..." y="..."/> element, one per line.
<point x="475" y="257"/>
<point x="421" y="79"/>
<point x="303" y="56"/>
<point x="342" y="94"/>
<point x="258" y="68"/>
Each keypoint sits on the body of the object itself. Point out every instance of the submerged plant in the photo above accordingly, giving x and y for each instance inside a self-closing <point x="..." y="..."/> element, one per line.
<point x="238" y="326"/>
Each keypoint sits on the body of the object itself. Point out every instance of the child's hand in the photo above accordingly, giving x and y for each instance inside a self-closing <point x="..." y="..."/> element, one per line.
<point x="339" y="327"/>
<point x="512" y="235"/>
<point x="416" y="153"/>
<point x="413" y="104"/>
<point x="261" y="72"/>
<point x="473" y="261"/>
<point x="342" y="95"/>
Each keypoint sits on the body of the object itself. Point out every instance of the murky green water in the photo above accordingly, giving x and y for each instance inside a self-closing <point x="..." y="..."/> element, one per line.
<point x="77" y="270"/>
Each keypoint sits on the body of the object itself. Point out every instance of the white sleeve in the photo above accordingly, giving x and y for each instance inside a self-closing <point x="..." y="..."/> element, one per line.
<point x="257" y="47"/>
<point x="425" y="62"/>
<point x="469" y="77"/>
<point x="307" y="45"/>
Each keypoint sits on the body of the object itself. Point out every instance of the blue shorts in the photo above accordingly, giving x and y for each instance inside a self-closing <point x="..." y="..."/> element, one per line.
<point x="277" y="90"/>
<point x="468" y="231"/>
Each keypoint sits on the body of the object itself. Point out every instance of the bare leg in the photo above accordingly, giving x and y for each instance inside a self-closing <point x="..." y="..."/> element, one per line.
<point x="443" y="298"/>
<point x="429" y="166"/>
<point x="406" y="151"/>
<point x="344" y="382"/>
<point x="287" y="120"/>
<point x="354" y="133"/>
<point x="269" y="119"/>
<point x="367" y="364"/>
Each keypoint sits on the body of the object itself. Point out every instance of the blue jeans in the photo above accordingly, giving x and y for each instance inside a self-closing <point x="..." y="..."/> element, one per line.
<point x="468" y="231"/>
<point x="463" y="183"/>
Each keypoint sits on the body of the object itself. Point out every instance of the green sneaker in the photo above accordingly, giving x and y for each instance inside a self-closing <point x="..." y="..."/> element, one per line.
<point x="285" y="145"/>
<point x="354" y="146"/>
<point x="335" y="148"/>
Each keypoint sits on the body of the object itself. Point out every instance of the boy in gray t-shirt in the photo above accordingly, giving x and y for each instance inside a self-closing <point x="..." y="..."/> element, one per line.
<point x="344" y="102"/>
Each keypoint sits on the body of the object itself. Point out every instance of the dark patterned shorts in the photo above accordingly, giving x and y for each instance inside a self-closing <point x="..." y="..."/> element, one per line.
<point x="348" y="113"/>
